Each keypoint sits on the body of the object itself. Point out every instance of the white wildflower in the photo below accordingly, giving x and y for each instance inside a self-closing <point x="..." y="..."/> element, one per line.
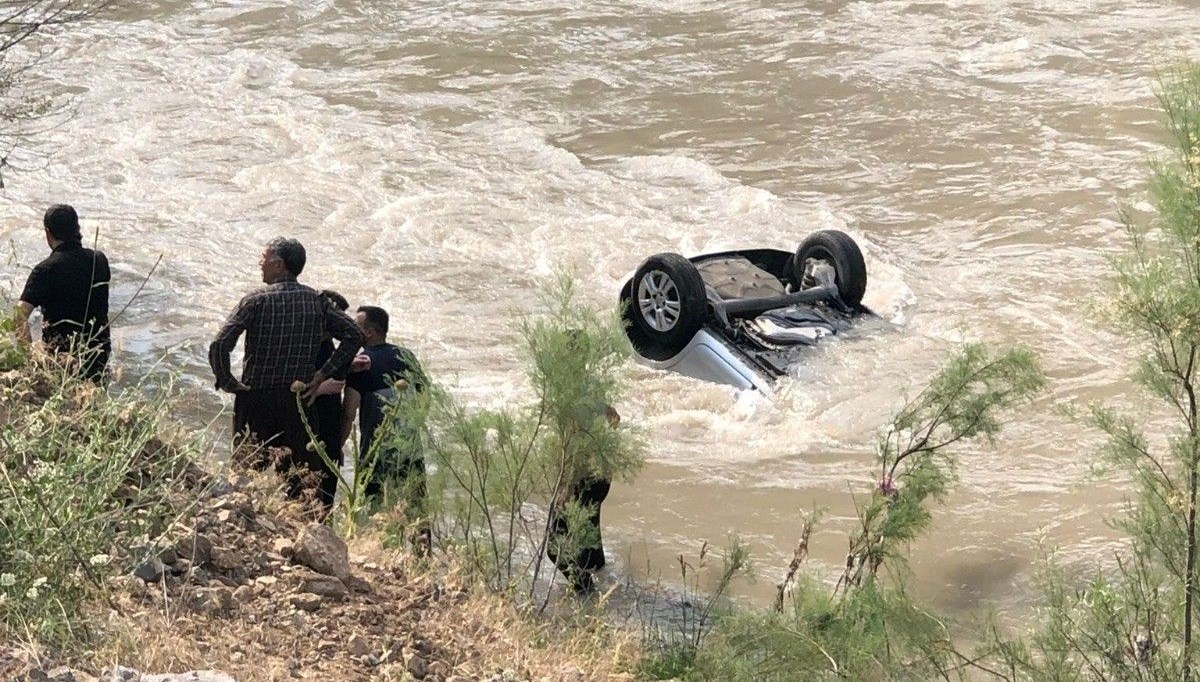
<point x="100" y="560"/>
<point x="31" y="593"/>
<point x="39" y="582"/>
<point x="7" y="580"/>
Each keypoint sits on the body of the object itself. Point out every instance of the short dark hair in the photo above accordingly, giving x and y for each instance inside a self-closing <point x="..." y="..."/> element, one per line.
<point x="334" y="300"/>
<point x="62" y="223"/>
<point x="291" y="252"/>
<point x="377" y="318"/>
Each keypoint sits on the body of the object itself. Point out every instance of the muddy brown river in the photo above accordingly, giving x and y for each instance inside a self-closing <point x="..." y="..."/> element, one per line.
<point x="438" y="158"/>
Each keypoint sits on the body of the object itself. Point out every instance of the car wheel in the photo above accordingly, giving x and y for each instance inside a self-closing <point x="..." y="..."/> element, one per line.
<point x="665" y="305"/>
<point x="843" y="253"/>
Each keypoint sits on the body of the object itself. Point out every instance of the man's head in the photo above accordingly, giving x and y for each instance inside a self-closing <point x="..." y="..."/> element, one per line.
<point x="373" y="321"/>
<point x="282" y="259"/>
<point x="62" y="225"/>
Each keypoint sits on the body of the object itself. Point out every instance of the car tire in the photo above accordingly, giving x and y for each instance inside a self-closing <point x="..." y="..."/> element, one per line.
<point x="847" y="259"/>
<point x="664" y="306"/>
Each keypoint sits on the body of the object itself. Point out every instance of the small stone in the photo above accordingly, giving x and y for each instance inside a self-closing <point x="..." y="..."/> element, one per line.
<point x="168" y="556"/>
<point x="320" y="549"/>
<point x="266" y="580"/>
<point x="120" y="673"/>
<point x="357" y="645"/>
<point x="457" y="678"/>
<point x="59" y="674"/>
<point x="224" y="515"/>
<point x="225" y="560"/>
<point x="326" y="647"/>
<point x="212" y="600"/>
<point x="283" y="546"/>
<point x="415" y="665"/>
<point x="267" y="524"/>
<point x="299" y="619"/>
<point x="150" y="570"/>
<point x="306" y="602"/>
<point x="357" y="584"/>
<point x="571" y="673"/>
<point x="324" y="586"/>
<point x="196" y="548"/>
<point x="193" y="676"/>
<point x="243" y="594"/>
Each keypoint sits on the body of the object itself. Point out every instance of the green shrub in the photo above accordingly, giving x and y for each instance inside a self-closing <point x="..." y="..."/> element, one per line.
<point x="86" y="478"/>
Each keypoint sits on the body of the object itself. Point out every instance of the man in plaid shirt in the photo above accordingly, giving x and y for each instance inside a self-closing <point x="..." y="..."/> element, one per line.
<point x="284" y="323"/>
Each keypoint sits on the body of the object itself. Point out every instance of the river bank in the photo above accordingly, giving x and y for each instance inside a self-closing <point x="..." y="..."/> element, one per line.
<point x="158" y="564"/>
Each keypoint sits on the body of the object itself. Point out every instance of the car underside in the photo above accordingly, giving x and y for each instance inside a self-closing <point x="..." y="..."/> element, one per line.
<point x="740" y="317"/>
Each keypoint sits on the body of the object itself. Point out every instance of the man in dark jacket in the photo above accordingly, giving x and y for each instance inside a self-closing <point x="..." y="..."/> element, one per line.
<point x="284" y="323"/>
<point x="71" y="288"/>
<point x="390" y="450"/>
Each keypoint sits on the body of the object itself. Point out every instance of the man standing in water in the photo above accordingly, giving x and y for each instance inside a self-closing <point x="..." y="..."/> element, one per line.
<point x="71" y="288"/>
<point x="580" y="554"/>
<point x="394" y="374"/>
<point x="285" y="323"/>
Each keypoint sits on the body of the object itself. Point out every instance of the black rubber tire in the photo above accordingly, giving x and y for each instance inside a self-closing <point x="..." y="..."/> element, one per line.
<point x="693" y="307"/>
<point x="840" y="249"/>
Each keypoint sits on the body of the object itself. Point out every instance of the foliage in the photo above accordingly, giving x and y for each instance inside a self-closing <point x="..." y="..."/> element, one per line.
<point x="867" y="627"/>
<point x="501" y="475"/>
<point x="1137" y="621"/>
<point x="675" y="645"/>
<point x="398" y="435"/>
<point x="13" y="353"/>
<point x="85" y="478"/>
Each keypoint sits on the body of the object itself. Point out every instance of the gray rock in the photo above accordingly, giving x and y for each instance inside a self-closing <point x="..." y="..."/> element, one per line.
<point x="324" y="586"/>
<point x="357" y="645"/>
<point x="243" y="594"/>
<point x="320" y="549"/>
<point x="59" y="674"/>
<point x="193" y="676"/>
<point x="168" y="556"/>
<point x="195" y="548"/>
<point x="120" y="673"/>
<point x="150" y="570"/>
<point x="306" y="602"/>
<point x="415" y="665"/>
<point x="211" y="600"/>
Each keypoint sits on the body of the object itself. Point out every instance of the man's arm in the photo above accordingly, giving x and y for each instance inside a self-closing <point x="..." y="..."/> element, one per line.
<point x="350" y="402"/>
<point x="223" y="345"/>
<point x="20" y="316"/>
<point x="34" y="295"/>
<point x="349" y="337"/>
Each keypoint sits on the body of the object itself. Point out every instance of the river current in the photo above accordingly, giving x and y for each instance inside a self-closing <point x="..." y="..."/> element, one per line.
<point x="440" y="158"/>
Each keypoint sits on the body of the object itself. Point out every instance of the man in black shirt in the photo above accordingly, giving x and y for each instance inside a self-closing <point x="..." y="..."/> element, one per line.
<point x="71" y="288"/>
<point x="394" y="374"/>
<point x="284" y="323"/>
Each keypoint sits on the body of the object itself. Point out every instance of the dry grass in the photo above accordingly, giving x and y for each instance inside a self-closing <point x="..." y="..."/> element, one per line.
<point x="414" y="607"/>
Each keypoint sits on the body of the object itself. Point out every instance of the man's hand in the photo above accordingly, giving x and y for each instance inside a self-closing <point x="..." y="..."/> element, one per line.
<point x="327" y="387"/>
<point x="234" y="386"/>
<point x="309" y="391"/>
<point x="361" y="363"/>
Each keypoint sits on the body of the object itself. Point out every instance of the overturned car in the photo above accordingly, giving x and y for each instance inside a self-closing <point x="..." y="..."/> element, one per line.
<point x="739" y="317"/>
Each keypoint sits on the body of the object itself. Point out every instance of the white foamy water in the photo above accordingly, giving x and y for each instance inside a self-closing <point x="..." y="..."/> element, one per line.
<point x="439" y="158"/>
